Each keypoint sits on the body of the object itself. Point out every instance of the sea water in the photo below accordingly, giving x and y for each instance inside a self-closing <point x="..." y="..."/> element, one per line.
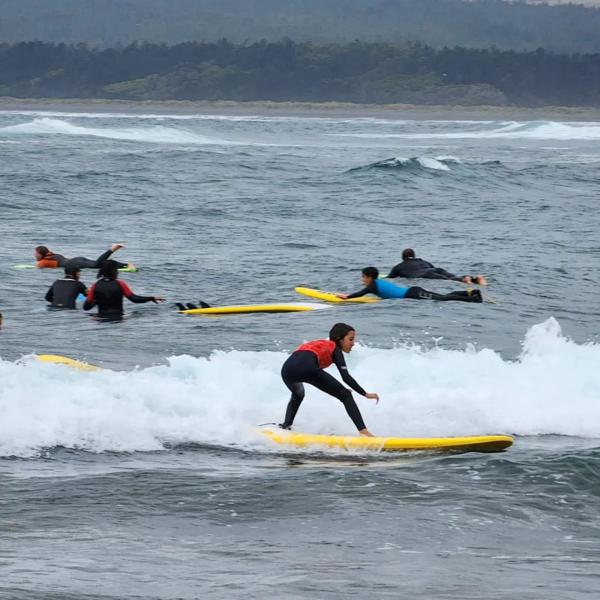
<point x="148" y="479"/>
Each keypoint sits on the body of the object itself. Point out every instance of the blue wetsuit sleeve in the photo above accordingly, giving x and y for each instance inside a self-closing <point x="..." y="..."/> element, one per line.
<point x="340" y="363"/>
<point x="370" y="289"/>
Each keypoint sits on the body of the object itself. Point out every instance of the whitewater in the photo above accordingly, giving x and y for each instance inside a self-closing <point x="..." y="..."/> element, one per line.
<point x="150" y="478"/>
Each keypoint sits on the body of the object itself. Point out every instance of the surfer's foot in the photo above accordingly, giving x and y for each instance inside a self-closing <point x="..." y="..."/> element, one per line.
<point x="480" y="280"/>
<point x="131" y="266"/>
<point x="366" y="433"/>
<point x="115" y="247"/>
<point x="286" y="427"/>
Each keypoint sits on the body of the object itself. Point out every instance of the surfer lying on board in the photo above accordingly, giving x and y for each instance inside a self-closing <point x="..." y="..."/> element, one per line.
<point x="108" y="292"/>
<point x="306" y="364"/>
<point x="63" y="292"/>
<point x="386" y="289"/>
<point x="417" y="267"/>
<point x="45" y="259"/>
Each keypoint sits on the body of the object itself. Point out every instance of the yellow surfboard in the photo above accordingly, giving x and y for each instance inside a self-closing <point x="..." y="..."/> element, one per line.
<point x="69" y="362"/>
<point x="254" y="308"/>
<point x="331" y="297"/>
<point x="478" y="443"/>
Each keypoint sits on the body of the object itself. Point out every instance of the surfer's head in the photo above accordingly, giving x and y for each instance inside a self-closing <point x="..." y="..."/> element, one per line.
<point x="72" y="270"/>
<point x="369" y="275"/>
<point x="408" y="253"/>
<point x="343" y="335"/>
<point x="41" y="252"/>
<point x="109" y="269"/>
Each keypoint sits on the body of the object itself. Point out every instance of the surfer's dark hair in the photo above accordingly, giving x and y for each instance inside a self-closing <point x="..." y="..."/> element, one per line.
<point x="43" y="250"/>
<point x="339" y="331"/>
<point x="371" y="272"/>
<point x="109" y="269"/>
<point x="408" y="253"/>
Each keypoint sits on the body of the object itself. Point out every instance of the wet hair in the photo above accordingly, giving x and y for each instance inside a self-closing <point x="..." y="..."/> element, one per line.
<point x="109" y="269"/>
<point x="43" y="250"/>
<point x="339" y="331"/>
<point x="372" y="272"/>
<point x="408" y="253"/>
<point x="72" y="268"/>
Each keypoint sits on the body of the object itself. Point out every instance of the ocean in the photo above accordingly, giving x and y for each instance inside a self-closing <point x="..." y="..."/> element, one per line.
<point x="149" y="479"/>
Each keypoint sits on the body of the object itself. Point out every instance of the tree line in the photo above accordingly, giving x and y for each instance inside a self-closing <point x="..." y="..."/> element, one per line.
<point x="289" y="71"/>
<point x="511" y="25"/>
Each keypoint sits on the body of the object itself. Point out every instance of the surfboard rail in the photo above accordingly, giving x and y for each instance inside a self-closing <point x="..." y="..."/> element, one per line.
<point x="477" y="443"/>
<point x="240" y="309"/>
<point x="68" y="362"/>
<point x="331" y="297"/>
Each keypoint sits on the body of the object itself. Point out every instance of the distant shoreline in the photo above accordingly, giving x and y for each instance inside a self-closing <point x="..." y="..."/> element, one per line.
<point x="302" y="109"/>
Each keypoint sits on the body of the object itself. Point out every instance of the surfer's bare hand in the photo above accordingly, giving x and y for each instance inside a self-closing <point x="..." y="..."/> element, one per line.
<point x="366" y="433"/>
<point x="372" y="396"/>
<point x="342" y="296"/>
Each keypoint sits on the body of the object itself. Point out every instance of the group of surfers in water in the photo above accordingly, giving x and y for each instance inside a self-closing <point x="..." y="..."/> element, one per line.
<point x="308" y="362"/>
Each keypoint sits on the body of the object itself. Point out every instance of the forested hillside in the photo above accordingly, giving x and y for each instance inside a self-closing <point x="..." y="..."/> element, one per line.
<point x="288" y="71"/>
<point x="439" y="23"/>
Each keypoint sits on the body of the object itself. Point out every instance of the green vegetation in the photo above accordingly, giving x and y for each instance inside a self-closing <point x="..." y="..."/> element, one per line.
<point x="289" y="71"/>
<point x="514" y="25"/>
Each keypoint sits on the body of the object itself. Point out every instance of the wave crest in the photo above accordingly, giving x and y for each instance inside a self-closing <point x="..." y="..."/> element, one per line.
<point x="552" y="388"/>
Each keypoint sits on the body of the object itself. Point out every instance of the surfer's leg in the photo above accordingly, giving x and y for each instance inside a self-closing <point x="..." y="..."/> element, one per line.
<point x="466" y="296"/>
<point x="297" y="390"/>
<point x="438" y="273"/>
<point x="418" y="293"/>
<point x="105" y="256"/>
<point x="330" y="385"/>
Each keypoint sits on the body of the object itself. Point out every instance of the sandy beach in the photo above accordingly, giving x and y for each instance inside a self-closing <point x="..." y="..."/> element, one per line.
<point x="306" y="109"/>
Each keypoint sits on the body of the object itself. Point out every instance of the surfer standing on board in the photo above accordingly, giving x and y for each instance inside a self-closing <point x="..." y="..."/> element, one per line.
<point x="306" y="365"/>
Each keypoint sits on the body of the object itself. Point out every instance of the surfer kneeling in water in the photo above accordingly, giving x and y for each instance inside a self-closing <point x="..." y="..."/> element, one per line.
<point x="417" y="267"/>
<point x="386" y="289"/>
<point x="306" y="364"/>
<point x="45" y="259"/>
<point x="108" y="292"/>
<point x="63" y="293"/>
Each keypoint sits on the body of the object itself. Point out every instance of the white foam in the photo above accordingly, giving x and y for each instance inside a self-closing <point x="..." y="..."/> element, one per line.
<point x="152" y="134"/>
<point x="432" y="163"/>
<point x="536" y="130"/>
<point x="551" y="389"/>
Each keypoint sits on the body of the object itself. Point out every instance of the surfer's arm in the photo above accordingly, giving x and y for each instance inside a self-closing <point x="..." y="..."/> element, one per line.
<point x="90" y="300"/>
<point x="135" y="298"/>
<point x="340" y="363"/>
<point x="370" y="289"/>
<point x="393" y="273"/>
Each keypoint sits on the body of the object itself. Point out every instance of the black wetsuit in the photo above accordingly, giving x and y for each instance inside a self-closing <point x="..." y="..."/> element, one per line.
<point x="303" y="367"/>
<point x="415" y="293"/>
<point x="108" y="295"/>
<point x="63" y="292"/>
<point x="417" y="267"/>
<point x="54" y="261"/>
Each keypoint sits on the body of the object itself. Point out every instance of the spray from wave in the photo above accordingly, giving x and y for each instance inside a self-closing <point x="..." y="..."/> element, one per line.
<point x="154" y="134"/>
<point x="552" y="388"/>
<point x="415" y="164"/>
